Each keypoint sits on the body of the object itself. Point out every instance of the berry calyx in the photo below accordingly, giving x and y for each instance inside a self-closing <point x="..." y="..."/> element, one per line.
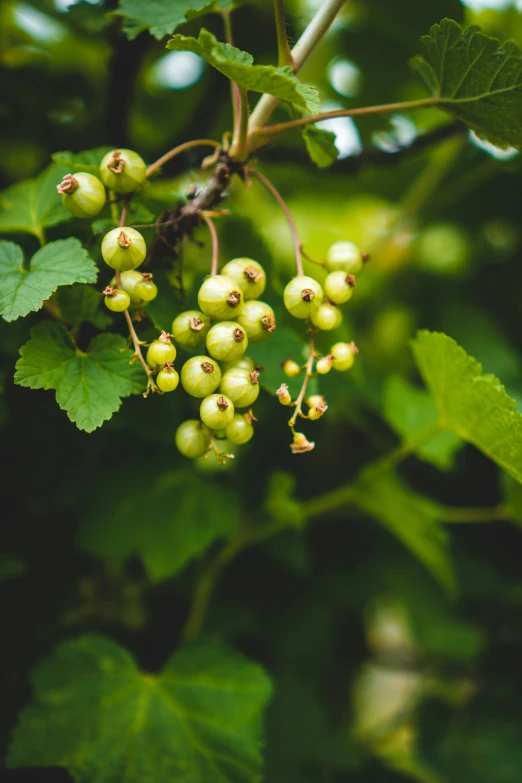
<point x="123" y="248"/>
<point x="167" y="379"/>
<point x="145" y="289"/>
<point x="82" y="194"/>
<point x="290" y="368"/>
<point x="301" y="444"/>
<point x="123" y="171"/>
<point x="249" y="276"/>
<point x="302" y="296"/>
<point x="257" y="319"/>
<point x="284" y="395"/>
<point x="200" y="376"/>
<point x="327" y="316"/>
<point x="240" y="429"/>
<point x="339" y="286"/>
<point x="190" y="328"/>
<point x="160" y="351"/>
<point x="343" y="355"/>
<point x="226" y="341"/>
<point x="116" y="299"/>
<point x="192" y="439"/>
<point x="216" y="411"/>
<point x="325" y="364"/>
<point x="344" y="257"/>
<point x="220" y="298"/>
<point x="241" y="386"/>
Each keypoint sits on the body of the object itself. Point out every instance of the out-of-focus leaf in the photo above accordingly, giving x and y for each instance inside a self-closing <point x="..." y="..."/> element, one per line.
<point x="320" y="144"/>
<point x="88" y="160"/>
<point x="34" y="204"/>
<point x="79" y="303"/>
<point x="160" y="17"/>
<point x="283" y="344"/>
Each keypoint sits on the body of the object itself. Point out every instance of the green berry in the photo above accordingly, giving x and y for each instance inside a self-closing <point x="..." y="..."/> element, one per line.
<point x="216" y="411"/>
<point x="161" y="351"/>
<point x="116" y="299"/>
<point x="190" y="328"/>
<point x="248" y="274"/>
<point x="324" y="365"/>
<point x="82" y="194"/>
<point x="244" y="363"/>
<point x="200" y="376"/>
<point x="239" y="430"/>
<point x="129" y="280"/>
<point x="317" y="405"/>
<point x="123" y="248"/>
<point x="290" y="368"/>
<point x="145" y="290"/>
<point x="241" y="386"/>
<point x="257" y="319"/>
<point x="339" y="286"/>
<point x="344" y="257"/>
<point x="343" y="355"/>
<point x="192" y="439"/>
<point x="327" y="317"/>
<point x="123" y="171"/>
<point x="227" y="341"/>
<point x="302" y="296"/>
<point x="167" y="379"/>
<point x="219" y="297"/>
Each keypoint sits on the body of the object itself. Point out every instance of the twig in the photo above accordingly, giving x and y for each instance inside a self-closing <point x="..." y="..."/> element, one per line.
<point x="293" y="230"/>
<point x="215" y="243"/>
<point x="187" y="145"/>
<point x="284" y="55"/>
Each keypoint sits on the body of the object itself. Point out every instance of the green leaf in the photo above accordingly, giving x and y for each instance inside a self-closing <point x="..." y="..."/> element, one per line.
<point x="58" y="263"/>
<point x="412" y="518"/>
<point x="184" y="513"/>
<point x="161" y="17"/>
<point x="88" y="160"/>
<point x="238" y="66"/>
<point x="89" y="386"/>
<point x="473" y="405"/>
<point x="34" y="204"/>
<point x="411" y="411"/>
<point x="96" y="714"/>
<point x="283" y="344"/>
<point x="82" y="303"/>
<point x="320" y="145"/>
<point x="476" y="79"/>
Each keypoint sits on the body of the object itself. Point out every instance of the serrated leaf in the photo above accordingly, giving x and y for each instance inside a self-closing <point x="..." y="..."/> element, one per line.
<point x="96" y="714"/>
<point x="82" y="303"/>
<point x="88" y="160"/>
<point x="475" y="78"/>
<point x="161" y="17"/>
<point x="184" y="513"/>
<point x="34" y="204"/>
<point x="283" y="344"/>
<point x="24" y="290"/>
<point x="412" y="518"/>
<point x="239" y="67"/>
<point x="89" y="386"/>
<point x="411" y="411"/>
<point x="320" y="144"/>
<point x="471" y="404"/>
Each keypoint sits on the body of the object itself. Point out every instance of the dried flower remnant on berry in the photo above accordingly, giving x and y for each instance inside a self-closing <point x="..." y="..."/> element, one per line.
<point x="307" y="294"/>
<point x="249" y="416"/>
<point x="124" y="239"/>
<point x="207" y="367"/>
<point x="284" y="395"/>
<point x="165" y="337"/>
<point x="196" y="324"/>
<point x="301" y="444"/>
<point x="254" y="377"/>
<point x="234" y="298"/>
<point x="222" y="403"/>
<point x="239" y="335"/>
<point x="268" y="322"/>
<point x="116" y="163"/>
<point x="109" y="291"/>
<point x="68" y="185"/>
<point x="252" y="275"/>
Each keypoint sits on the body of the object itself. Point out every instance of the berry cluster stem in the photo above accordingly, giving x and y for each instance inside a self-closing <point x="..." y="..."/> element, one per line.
<point x="215" y="243"/>
<point x="291" y="223"/>
<point x="308" y="374"/>
<point x="187" y="145"/>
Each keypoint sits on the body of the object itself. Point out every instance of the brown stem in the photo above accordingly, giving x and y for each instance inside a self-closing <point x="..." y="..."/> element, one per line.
<point x="215" y="243"/>
<point x="125" y="210"/>
<point x="293" y="230"/>
<point x="308" y="375"/>
<point x="187" y="145"/>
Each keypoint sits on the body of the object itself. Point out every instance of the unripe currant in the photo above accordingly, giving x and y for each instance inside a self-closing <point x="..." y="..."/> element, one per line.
<point x="192" y="439"/>
<point x="216" y="411"/>
<point x="240" y="430"/>
<point x="167" y="379"/>
<point x="317" y="405"/>
<point x="123" y="248"/>
<point x="241" y="386"/>
<point x="283" y="395"/>
<point x="324" y="364"/>
<point x="302" y="296"/>
<point x="327" y="316"/>
<point x="116" y="299"/>
<point x="200" y="376"/>
<point x="301" y="444"/>
<point x="344" y="257"/>
<point x="257" y="319"/>
<point x="339" y="286"/>
<point x="290" y="368"/>
<point x="243" y="363"/>
<point x="123" y="171"/>
<point x="160" y="351"/>
<point x="219" y="297"/>
<point x="129" y="280"/>
<point x="248" y="274"/>
<point x="145" y="290"/>
<point x="343" y="355"/>
<point x="82" y="194"/>
<point x="227" y="341"/>
<point x="190" y="328"/>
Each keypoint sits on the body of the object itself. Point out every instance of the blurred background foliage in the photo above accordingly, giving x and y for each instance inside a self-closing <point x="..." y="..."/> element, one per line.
<point x="380" y="676"/>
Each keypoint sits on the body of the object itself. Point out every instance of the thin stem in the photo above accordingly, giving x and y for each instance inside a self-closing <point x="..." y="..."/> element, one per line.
<point x="125" y="211"/>
<point x="137" y="347"/>
<point x="315" y="30"/>
<point x="498" y="513"/>
<point x="284" y="55"/>
<point x="187" y="145"/>
<point x="291" y="224"/>
<point x="215" y="243"/>
<point x="308" y="375"/>
<point x="239" y="148"/>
